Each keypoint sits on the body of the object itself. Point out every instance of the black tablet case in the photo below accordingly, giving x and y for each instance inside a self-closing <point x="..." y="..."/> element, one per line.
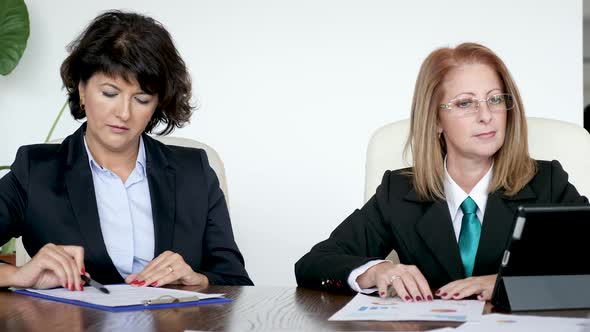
<point x="546" y="264"/>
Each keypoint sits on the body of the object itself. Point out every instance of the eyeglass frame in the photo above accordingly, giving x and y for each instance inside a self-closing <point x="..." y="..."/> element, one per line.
<point x="448" y="107"/>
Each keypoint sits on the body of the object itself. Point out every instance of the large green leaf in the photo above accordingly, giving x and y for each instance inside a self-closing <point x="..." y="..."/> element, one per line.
<point x="14" y="32"/>
<point x="8" y="247"/>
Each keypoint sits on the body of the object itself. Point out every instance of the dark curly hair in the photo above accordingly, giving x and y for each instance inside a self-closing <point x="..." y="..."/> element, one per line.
<point x="131" y="45"/>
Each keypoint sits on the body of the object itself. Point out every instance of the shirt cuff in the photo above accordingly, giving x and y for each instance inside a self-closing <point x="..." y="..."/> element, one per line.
<point x="360" y="270"/>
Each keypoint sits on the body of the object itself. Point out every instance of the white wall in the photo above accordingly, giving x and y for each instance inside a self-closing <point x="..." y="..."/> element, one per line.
<point x="586" y="54"/>
<point x="291" y="91"/>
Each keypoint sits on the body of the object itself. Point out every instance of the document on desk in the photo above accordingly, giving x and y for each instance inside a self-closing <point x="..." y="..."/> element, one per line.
<point x="365" y="307"/>
<point x="503" y="322"/>
<point x="125" y="297"/>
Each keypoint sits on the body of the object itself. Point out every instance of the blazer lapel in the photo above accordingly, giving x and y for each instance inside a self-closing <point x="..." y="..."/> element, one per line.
<point x="80" y="186"/>
<point x="435" y="228"/>
<point x="496" y="228"/>
<point x="161" y="179"/>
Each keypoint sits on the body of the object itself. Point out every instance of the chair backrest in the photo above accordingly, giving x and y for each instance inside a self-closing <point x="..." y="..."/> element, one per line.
<point x="214" y="160"/>
<point x="548" y="139"/>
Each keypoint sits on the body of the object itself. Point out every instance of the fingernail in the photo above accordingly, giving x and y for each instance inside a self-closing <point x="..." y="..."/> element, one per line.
<point x="154" y="284"/>
<point x="72" y="288"/>
<point x="418" y="298"/>
<point x="66" y="286"/>
<point x="135" y="282"/>
<point x="141" y="283"/>
<point x="437" y="292"/>
<point x="456" y="294"/>
<point x="408" y="298"/>
<point x="429" y="297"/>
<point x="444" y="294"/>
<point x="83" y="271"/>
<point x="81" y="287"/>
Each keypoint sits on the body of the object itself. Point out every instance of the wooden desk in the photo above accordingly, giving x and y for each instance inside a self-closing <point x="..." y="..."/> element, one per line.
<point x="254" y="309"/>
<point x="9" y="258"/>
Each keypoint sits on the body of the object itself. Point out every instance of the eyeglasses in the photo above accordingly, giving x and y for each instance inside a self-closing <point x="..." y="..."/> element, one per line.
<point x="466" y="105"/>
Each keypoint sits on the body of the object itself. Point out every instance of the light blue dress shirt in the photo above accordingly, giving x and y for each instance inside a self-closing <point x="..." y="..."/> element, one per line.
<point x="125" y="213"/>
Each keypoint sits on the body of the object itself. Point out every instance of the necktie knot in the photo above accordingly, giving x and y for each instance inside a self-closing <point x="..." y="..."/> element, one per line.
<point x="468" y="206"/>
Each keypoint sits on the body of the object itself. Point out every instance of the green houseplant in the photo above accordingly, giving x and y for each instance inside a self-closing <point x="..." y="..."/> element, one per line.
<point x="14" y="33"/>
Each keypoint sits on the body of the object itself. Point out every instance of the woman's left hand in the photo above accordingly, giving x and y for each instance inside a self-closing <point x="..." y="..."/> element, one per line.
<point x="168" y="268"/>
<point x="459" y="289"/>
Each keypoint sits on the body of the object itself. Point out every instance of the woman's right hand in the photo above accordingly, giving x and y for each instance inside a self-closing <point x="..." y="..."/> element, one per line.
<point x="408" y="281"/>
<point x="53" y="266"/>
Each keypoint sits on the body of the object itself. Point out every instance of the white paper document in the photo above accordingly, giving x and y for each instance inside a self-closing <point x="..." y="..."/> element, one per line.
<point x="501" y="322"/>
<point x="365" y="307"/>
<point x="123" y="295"/>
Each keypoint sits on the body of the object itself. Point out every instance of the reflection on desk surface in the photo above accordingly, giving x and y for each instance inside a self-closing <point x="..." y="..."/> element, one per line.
<point x="255" y="308"/>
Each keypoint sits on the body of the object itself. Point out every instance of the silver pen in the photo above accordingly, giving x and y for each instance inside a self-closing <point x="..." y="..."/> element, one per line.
<point x="95" y="284"/>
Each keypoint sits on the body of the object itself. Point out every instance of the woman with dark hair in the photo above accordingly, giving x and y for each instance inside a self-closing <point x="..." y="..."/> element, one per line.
<point x="448" y="216"/>
<point x="110" y="200"/>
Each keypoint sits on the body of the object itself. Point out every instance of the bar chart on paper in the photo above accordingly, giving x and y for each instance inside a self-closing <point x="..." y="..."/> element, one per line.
<point x="365" y="307"/>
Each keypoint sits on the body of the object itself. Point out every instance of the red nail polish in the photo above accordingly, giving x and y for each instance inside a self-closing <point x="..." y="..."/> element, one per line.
<point x="72" y="288"/>
<point x="429" y="297"/>
<point x="443" y="295"/>
<point x="456" y="294"/>
<point x="408" y="298"/>
<point x="437" y="292"/>
<point x="418" y="298"/>
<point x="135" y="282"/>
<point x="381" y="293"/>
<point x="141" y="283"/>
<point x="83" y="271"/>
<point x="81" y="287"/>
<point x="67" y="286"/>
<point x="154" y="284"/>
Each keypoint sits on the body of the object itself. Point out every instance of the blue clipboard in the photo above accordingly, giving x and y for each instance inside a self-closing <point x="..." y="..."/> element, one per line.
<point x="123" y="308"/>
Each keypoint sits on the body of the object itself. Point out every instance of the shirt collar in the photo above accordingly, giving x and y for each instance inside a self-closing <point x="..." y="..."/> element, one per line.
<point x="455" y="195"/>
<point x="140" y="164"/>
<point x="141" y="157"/>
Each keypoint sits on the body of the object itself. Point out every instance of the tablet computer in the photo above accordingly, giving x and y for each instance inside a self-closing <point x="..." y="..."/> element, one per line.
<point x="546" y="264"/>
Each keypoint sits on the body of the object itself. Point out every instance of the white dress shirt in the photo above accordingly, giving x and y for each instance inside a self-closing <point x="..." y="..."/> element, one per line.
<point x="125" y="213"/>
<point x="454" y="196"/>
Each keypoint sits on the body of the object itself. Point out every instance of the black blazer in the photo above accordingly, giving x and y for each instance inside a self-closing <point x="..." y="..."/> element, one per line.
<point x="48" y="197"/>
<point x="422" y="233"/>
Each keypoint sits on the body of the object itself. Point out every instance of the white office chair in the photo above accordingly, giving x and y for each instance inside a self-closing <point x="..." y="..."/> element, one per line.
<point x="214" y="160"/>
<point x="548" y="139"/>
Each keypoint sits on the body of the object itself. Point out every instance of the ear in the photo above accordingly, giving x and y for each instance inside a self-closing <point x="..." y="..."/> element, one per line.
<point x="81" y="91"/>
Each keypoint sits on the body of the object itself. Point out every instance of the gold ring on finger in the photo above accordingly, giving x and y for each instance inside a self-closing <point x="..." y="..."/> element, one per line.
<point x="170" y="269"/>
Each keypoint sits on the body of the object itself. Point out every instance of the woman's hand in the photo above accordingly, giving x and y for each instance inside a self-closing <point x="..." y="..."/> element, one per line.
<point x="168" y="268"/>
<point x="408" y="281"/>
<point x="459" y="289"/>
<point x="53" y="266"/>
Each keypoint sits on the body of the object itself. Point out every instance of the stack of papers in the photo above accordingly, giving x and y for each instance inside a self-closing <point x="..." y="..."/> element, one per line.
<point x="365" y="307"/>
<point x="125" y="297"/>
<point x="500" y="322"/>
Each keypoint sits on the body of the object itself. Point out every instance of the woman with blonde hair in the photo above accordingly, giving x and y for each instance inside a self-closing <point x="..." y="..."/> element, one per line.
<point x="448" y="216"/>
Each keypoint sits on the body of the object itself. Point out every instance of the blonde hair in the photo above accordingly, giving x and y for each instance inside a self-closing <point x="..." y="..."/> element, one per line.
<point x="513" y="167"/>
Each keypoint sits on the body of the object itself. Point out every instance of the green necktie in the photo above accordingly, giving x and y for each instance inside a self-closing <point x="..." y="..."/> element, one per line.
<point x="469" y="237"/>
